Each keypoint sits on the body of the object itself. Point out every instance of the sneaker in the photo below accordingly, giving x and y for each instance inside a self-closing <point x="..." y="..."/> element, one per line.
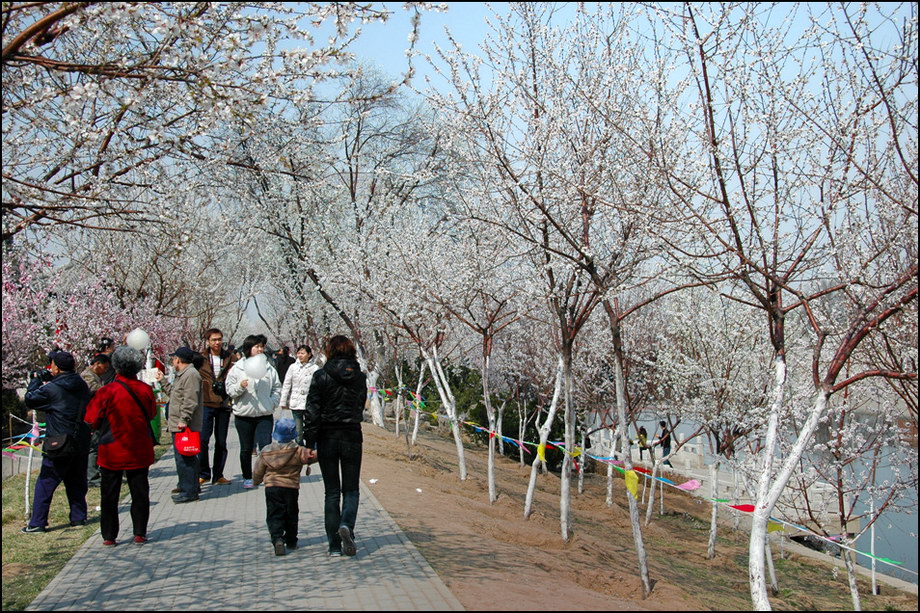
<point x="109" y="543"/>
<point x="335" y="553"/>
<point x="279" y="548"/>
<point x="140" y="540"/>
<point x="32" y="529"/>
<point x="247" y="484"/>
<point x="348" y="542"/>
<point x="74" y="524"/>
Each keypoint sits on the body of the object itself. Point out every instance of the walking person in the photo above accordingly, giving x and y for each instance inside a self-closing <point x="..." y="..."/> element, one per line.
<point x="664" y="439"/>
<point x="280" y="465"/>
<point x="332" y="430"/>
<point x="63" y="399"/>
<point x="185" y="411"/>
<point x="297" y="385"/>
<point x="253" y="385"/>
<point x="216" y="419"/>
<point x="120" y="414"/>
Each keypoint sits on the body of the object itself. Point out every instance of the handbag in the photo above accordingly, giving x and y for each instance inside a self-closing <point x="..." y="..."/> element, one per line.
<point x="153" y="437"/>
<point x="61" y="446"/>
<point x="188" y="442"/>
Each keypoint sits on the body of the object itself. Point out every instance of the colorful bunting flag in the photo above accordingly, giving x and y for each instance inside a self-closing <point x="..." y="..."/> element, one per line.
<point x="632" y="483"/>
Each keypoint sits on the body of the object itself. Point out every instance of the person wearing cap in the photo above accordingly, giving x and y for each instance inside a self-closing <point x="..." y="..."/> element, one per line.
<point x="279" y="465"/>
<point x="63" y="399"/>
<point x="185" y="411"/>
<point x="106" y="346"/>
<point x="98" y="367"/>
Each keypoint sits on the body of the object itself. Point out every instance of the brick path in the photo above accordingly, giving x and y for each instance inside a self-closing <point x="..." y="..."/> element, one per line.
<point x="215" y="554"/>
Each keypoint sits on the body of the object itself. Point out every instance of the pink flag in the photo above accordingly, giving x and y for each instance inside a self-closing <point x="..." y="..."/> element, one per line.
<point x="690" y="485"/>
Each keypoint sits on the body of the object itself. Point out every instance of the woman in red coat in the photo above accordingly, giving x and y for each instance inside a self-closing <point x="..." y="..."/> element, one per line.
<point x="122" y="411"/>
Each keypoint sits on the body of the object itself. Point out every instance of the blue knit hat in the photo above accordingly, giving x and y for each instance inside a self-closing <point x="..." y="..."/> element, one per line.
<point x="284" y="430"/>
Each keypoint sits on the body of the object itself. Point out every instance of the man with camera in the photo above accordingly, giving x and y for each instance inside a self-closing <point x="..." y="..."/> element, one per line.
<point x="213" y="372"/>
<point x="63" y="396"/>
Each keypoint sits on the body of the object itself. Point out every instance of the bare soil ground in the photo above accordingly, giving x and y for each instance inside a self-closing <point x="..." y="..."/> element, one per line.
<point x="491" y="558"/>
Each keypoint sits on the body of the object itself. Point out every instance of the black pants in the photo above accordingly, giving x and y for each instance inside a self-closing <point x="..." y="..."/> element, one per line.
<point x="216" y="420"/>
<point x="281" y="513"/>
<point x="110" y="487"/>
<point x="254" y="433"/>
<point x="340" y="461"/>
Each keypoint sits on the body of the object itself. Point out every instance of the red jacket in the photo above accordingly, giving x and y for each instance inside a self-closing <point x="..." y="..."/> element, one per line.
<point x="125" y="443"/>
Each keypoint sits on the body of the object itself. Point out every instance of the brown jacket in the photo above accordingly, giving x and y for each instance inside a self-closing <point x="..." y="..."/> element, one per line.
<point x="210" y="397"/>
<point x="279" y="465"/>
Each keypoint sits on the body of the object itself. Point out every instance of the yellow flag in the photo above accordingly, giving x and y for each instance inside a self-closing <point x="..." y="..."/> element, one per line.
<point x="541" y="452"/>
<point x="632" y="483"/>
<point x="577" y="452"/>
<point x="774" y="527"/>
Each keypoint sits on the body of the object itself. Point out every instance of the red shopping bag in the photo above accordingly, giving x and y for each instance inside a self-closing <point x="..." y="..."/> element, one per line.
<point x="188" y="442"/>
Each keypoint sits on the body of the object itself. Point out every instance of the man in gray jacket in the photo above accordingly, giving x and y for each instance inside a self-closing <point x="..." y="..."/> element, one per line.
<point x="185" y="411"/>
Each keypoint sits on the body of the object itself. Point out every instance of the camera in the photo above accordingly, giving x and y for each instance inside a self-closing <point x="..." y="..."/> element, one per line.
<point x="220" y="388"/>
<point x="43" y="374"/>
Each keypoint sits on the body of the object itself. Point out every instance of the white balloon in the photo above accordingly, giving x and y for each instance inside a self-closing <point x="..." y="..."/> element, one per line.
<point x="256" y="367"/>
<point x="138" y="339"/>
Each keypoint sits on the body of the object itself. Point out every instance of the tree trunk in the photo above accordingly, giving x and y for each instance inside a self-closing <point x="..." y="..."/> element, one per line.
<point x="850" y="563"/>
<point x="544" y="436"/>
<point x="714" y="519"/>
<point x="653" y="483"/>
<point x="565" y="491"/>
<point x="774" y="584"/>
<point x="418" y="400"/>
<point x="624" y="444"/>
<point x="490" y="414"/>
<point x="447" y="399"/>
<point x="581" y="466"/>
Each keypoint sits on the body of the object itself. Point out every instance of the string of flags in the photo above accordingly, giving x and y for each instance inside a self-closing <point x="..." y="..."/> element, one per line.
<point x="631" y="477"/>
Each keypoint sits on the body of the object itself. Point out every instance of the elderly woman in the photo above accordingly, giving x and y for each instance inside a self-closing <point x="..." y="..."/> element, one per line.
<point x="254" y="403"/>
<point x="121" y="413"/>
<point x="332" y="427"/>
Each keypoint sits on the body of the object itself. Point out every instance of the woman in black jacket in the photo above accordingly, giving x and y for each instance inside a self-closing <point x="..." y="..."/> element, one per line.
<point x="332" y="427"/>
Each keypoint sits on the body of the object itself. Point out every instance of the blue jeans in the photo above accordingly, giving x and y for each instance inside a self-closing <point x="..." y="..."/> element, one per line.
<point x="340" y="462"/>
<point x="186" y="471"/>
<point x="254" y="433"/>
<point x="216" y="420"/>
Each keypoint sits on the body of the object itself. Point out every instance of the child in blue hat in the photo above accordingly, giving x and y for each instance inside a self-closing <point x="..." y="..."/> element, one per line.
<point x="279" y="465"/>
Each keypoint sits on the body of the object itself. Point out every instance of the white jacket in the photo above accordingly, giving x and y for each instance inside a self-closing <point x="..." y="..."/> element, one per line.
<point x="296" y="385"/>
<point x="259" y="398"/>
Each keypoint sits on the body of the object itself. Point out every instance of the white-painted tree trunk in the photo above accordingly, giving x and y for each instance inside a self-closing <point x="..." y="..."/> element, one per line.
<point x="493" y="425"/>
<point x="418" y="395"/>
<point x="450" y="407"/>
<point x="544" y="436"/>
<point x="774" y="584"/>
<point x="498" y="429"/>
<point x="714" y="519"/>
<point x="581" y="465"/>
<point x="633" y="505"/>
<point x="653" y="483"/>
<point x="850" y="563"/>
<point x="769" y="493"/>
<point x="565" y="490"/>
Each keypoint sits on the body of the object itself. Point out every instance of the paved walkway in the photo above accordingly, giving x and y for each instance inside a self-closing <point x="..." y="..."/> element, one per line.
<point x="215" y="554"/>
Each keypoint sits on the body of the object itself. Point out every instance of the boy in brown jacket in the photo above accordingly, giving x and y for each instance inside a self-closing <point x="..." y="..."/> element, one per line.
<point x="279" y="465"/>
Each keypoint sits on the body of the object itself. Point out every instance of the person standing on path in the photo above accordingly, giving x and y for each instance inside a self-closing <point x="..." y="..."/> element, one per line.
<point x="63" y="399"/>
<point x="280" y="464"/>
<point x="213" y="371"/>
<point x="99" y="367"/>
<point x="297" y="385"/>
<point x="185" y="411"/>
<point x="332" y="430"/>
<point x="120" y="415"/>
<point x="664" y="439"/>
<point x="254" y="387"/>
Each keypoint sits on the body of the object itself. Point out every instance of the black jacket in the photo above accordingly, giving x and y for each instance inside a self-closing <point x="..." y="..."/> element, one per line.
<point x="64" y="400"/>
<point x="335" y="401"/>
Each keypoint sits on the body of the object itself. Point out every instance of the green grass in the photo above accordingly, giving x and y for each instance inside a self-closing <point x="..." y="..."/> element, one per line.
<point x="31" y="561"/>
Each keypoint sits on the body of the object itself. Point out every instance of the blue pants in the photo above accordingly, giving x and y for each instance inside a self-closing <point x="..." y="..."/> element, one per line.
<point x="340" y="462"/>
<point x="216" y="420"/>
<point x="72" y="471"/>
<point x="254" y="433"/>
